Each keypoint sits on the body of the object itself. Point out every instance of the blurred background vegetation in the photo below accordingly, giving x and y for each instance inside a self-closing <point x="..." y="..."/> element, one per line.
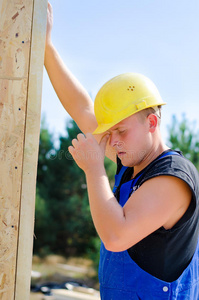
<point x="63" y="223"/>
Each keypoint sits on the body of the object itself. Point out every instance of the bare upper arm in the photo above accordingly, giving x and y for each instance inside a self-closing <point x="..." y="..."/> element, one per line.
<point x="160" y="201"/>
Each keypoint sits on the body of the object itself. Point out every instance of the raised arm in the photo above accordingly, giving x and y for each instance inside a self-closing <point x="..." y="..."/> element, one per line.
<point x="70" y="92"/>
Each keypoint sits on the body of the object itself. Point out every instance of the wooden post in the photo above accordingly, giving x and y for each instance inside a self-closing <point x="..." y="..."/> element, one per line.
<point x="22" y="42"/>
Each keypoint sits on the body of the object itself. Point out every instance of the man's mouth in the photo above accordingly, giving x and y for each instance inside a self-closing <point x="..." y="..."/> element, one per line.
<point x="121" y="153"/>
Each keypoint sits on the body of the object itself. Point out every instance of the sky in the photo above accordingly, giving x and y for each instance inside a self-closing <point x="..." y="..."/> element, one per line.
<point x="98" y="40"/>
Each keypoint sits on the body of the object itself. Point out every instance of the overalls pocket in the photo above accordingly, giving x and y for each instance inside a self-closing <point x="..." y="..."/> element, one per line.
<point x="111" y="268"/>
<point x="143" y="284"/>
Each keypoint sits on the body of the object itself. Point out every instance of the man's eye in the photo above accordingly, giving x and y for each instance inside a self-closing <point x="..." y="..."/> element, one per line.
<point x="121" y="131"/>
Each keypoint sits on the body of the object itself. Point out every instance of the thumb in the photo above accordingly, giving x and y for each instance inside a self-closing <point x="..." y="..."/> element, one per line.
<point x="104" y="141"/>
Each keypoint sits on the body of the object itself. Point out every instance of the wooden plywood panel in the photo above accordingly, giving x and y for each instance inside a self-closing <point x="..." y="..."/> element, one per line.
<point x="15" y="34"/>
<point x="24" y="260"/>
<point x="11" y="145"/>
<point x="20" y="95"/>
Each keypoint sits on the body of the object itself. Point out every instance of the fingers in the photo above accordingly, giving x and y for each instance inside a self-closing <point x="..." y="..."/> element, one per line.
<point x="49" y="6"/>
<point x="50" y="10"/>
<point x="77" y="150"/>
<point x="104" y="141"/>
<point x="73" y="152"/>
<point x="88" y="137"/>
<point x="75" y="143"/>
<point x="80" y="138"/>
<point x="49" y="20"/>
<point x="86" y="151"/>
<point x="81" y="141"/>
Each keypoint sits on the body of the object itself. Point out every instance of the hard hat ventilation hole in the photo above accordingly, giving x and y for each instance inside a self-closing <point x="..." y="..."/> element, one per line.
<point x="131" y="88"/>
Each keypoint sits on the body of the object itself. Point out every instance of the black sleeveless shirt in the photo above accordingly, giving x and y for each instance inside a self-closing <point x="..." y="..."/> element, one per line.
<point x="166" y="253"/>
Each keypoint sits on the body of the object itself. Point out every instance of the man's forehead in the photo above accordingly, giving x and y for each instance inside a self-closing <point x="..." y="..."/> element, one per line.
<point x="120" y="124"/>
<point x="117" y="126"/>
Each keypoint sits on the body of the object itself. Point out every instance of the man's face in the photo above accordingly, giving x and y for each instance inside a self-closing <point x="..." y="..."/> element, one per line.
<point x="130" y="139"/>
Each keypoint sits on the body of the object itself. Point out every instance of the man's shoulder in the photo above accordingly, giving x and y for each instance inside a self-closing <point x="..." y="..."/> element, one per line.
<point x="172" y="165"/>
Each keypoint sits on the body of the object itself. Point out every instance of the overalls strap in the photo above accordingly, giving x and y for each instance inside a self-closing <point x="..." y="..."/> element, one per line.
<point x="118" y="178"/>
<point x="130" y="186"/>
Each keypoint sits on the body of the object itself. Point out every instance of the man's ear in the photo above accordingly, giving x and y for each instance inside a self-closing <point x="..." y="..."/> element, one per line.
<point x="153" y="122"/>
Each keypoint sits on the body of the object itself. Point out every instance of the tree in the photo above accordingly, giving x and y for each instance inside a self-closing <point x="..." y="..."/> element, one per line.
<point x="42" y="213"/>
<point x="183" y="136"/>
<point x="63" y="220"/>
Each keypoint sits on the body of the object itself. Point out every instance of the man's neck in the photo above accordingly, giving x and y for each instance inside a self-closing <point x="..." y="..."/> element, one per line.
<point x="150" y="157"/>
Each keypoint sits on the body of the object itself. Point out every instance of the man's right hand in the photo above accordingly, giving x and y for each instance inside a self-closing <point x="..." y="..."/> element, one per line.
<point x="49" y="24"/>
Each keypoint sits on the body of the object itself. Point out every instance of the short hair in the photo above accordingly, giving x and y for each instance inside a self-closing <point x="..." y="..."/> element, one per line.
<point x="156" y="110"/>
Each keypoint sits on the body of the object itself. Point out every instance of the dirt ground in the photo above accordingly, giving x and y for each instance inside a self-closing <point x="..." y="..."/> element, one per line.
<point x="57" y="268"/>
<point x="65" y="295"/>
<point x="54" y="268"/>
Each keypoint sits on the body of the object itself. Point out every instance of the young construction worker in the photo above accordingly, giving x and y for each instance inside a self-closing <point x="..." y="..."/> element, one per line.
<point x="149" y="223"/>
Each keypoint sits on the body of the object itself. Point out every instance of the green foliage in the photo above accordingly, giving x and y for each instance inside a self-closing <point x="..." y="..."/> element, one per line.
<point x="93" y="251"/>
<point x="63" y="222"/>
<point x="183" y="136"/>
<point x="110" y="167"/>
<point x="42" y="214"/>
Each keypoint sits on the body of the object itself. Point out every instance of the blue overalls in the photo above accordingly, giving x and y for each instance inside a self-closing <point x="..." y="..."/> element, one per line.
<point x="122" y="279"/>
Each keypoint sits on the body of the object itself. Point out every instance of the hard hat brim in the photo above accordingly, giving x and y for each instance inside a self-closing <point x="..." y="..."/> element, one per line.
<point x="102" y="128"/>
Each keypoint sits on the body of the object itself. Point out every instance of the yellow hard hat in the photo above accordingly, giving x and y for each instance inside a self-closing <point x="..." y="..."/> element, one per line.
<point x="123" y="96"/>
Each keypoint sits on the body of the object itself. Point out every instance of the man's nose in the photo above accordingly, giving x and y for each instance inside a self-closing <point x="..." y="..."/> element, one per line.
<point x="113" y="141"/>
